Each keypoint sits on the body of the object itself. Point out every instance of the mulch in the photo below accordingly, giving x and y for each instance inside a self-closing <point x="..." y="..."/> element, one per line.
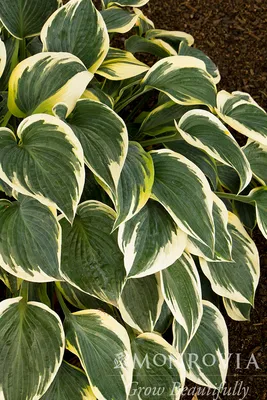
<point x="234" y="34"/>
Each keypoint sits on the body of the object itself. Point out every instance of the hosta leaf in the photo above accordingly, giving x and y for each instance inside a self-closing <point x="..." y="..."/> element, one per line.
<point x="3" y="57"/>
<point x="143" y="23"/>
<point x="187" y="50"/>
<point x="156" y="47"/>
<point x="161" y="119"/>
<point x="203" y="130"/>
<point x="95" y="93"/>
<point x="259" y="196"/>
<point x="206" y="356"/>
<point x="4" y="113"/>
<point x="50" y="78"/>
<point x="256" y="154"/>
<point x="11" y="282"/>
<point x="228" y="178"/>
<point x="126" y="3"/>
<point x="80" y="299"/>
<point x="118" y="19"/>
<point x="164" y="320"/>
<point x="237" y="311"/>
<point x="184" y="79"/>
<point x="46" y="163"/>
<point x="135" y="184"/>
<point x="182" y="188"/>
<point x="243" y="114"/>
<point x="236" y="281"/>
<point x="158" y="366"/>
<point x="77" y="28"/>
<point x="103" y="136"/>
<point x="24" y="18"/>
<point x="12" y="47"/>
<point x="120" y="64"/>
<point x="180" y="285"/>
<point x="32" y="250"/>
<point x="32" y="348"/>
<point x="198" y="157"/>
<point x="223" y="240"/>
<point x="140" y="303"/>
<point x="69" y="383"/>
<point x="103" y="347"/>
<point x="143" y="256"/>
<point x="91" y="259"/>
<point x="174" y="38"/>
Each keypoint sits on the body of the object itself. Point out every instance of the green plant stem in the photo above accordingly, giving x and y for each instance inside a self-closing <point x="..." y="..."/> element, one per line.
<point x="236" y="197"/>
<point x="24" y="290"/>
<point x="126" y="102"/>
<point x="159" y="140"/>
<point x="62" y="303"/>
<point x="22" y="49"/>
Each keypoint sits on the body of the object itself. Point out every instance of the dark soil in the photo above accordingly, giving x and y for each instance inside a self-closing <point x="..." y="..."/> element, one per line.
<point x="234" y="34"/>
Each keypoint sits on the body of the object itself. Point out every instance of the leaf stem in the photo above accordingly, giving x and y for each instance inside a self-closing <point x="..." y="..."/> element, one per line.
<point x="24" y="290"/>
<point x="236" y="197"/>
<point x="159" y="140"/>
<point x="22" y="49"/>
<point x="62" y="303"/>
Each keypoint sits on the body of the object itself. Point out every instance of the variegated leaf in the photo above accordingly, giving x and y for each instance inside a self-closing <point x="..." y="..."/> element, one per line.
<point x="77" y="28"/>
<point x="24" y="18"/>
<point x="158" y="366"/>
<point x="118" y="19"/>
<point x="120" y="64"/>
<point x="103" y="347"/>
<point x="223" y="240"/>
<point x="135" y="184"/>
<point x="186" y="49"/>
<point x="143" y="256"/>
<point x="46" y="163"/>
<point x="12" y="47"/>
<point x="174" y="38"/>
<point x="184" y="79"/>
<point x="243" y="114"/>
<point x="180" y="285"/>
<point x="140" y="303"/>
<point x="4" y="113"/>
<point x="206" y="356"/>
<point x="11" y="281"/>
<point x="96" y="93"/>
<point x="3" y="57"/>
<point x="237" y="311"/>
<point x="125" y="3"/>
<point x="143" y="23"/>
<point x="69" y="383"/>
<point x="256" y="154"/>
<point x="50" y="78"/>
<point x="203" y="130"/>
<point x="259" y="197"/>
<point x="156" y="47"/>
<point x="91" y="259"/>
<point x="237" y="281"/>
<point x="104" y="139"/>
<point x="32" y="347"/>
<point x="32" y="250"/>
<point x="182" y="188"/>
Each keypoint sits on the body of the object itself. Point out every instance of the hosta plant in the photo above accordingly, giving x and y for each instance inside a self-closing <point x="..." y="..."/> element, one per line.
<point x="127" y="205"/>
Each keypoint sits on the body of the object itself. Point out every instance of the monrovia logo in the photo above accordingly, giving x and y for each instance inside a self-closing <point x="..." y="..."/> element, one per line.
<point x="161" y="360"/>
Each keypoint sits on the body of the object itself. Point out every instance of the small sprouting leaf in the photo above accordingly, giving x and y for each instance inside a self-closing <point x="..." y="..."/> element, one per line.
<point x="237" y="311"/>
<point x="156" y="47"/>
<point x="203" y="130"/>
<point x="103" y="347"/>
<point x="259" y="196"/>
<point x="24" y="18"/>
<point x="243" y="114"/>
<point x="32" y="250"/>
<point x="104" y="139"/>
<point x="46" y="163"/>
<point x="3" y="57"/>
<point x="126" y="3"/>
<point x="118" y="19"/>
<point x="143" y="256"/>
<point x="174" y="38"/>
<point x="12" y="47"/>
<point x="140" y="303"/>
<point x="40" y="82"/>
<point x="237" y="281"/>
<point x="77" y="28"/>
<point x="32" y="347"/>
<point x="256" y="154"/>
<point x="184" y="79"/>
<point x="91" y="259"/>
<point x="120" y="64"/>
<point x="182" y="188"/>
